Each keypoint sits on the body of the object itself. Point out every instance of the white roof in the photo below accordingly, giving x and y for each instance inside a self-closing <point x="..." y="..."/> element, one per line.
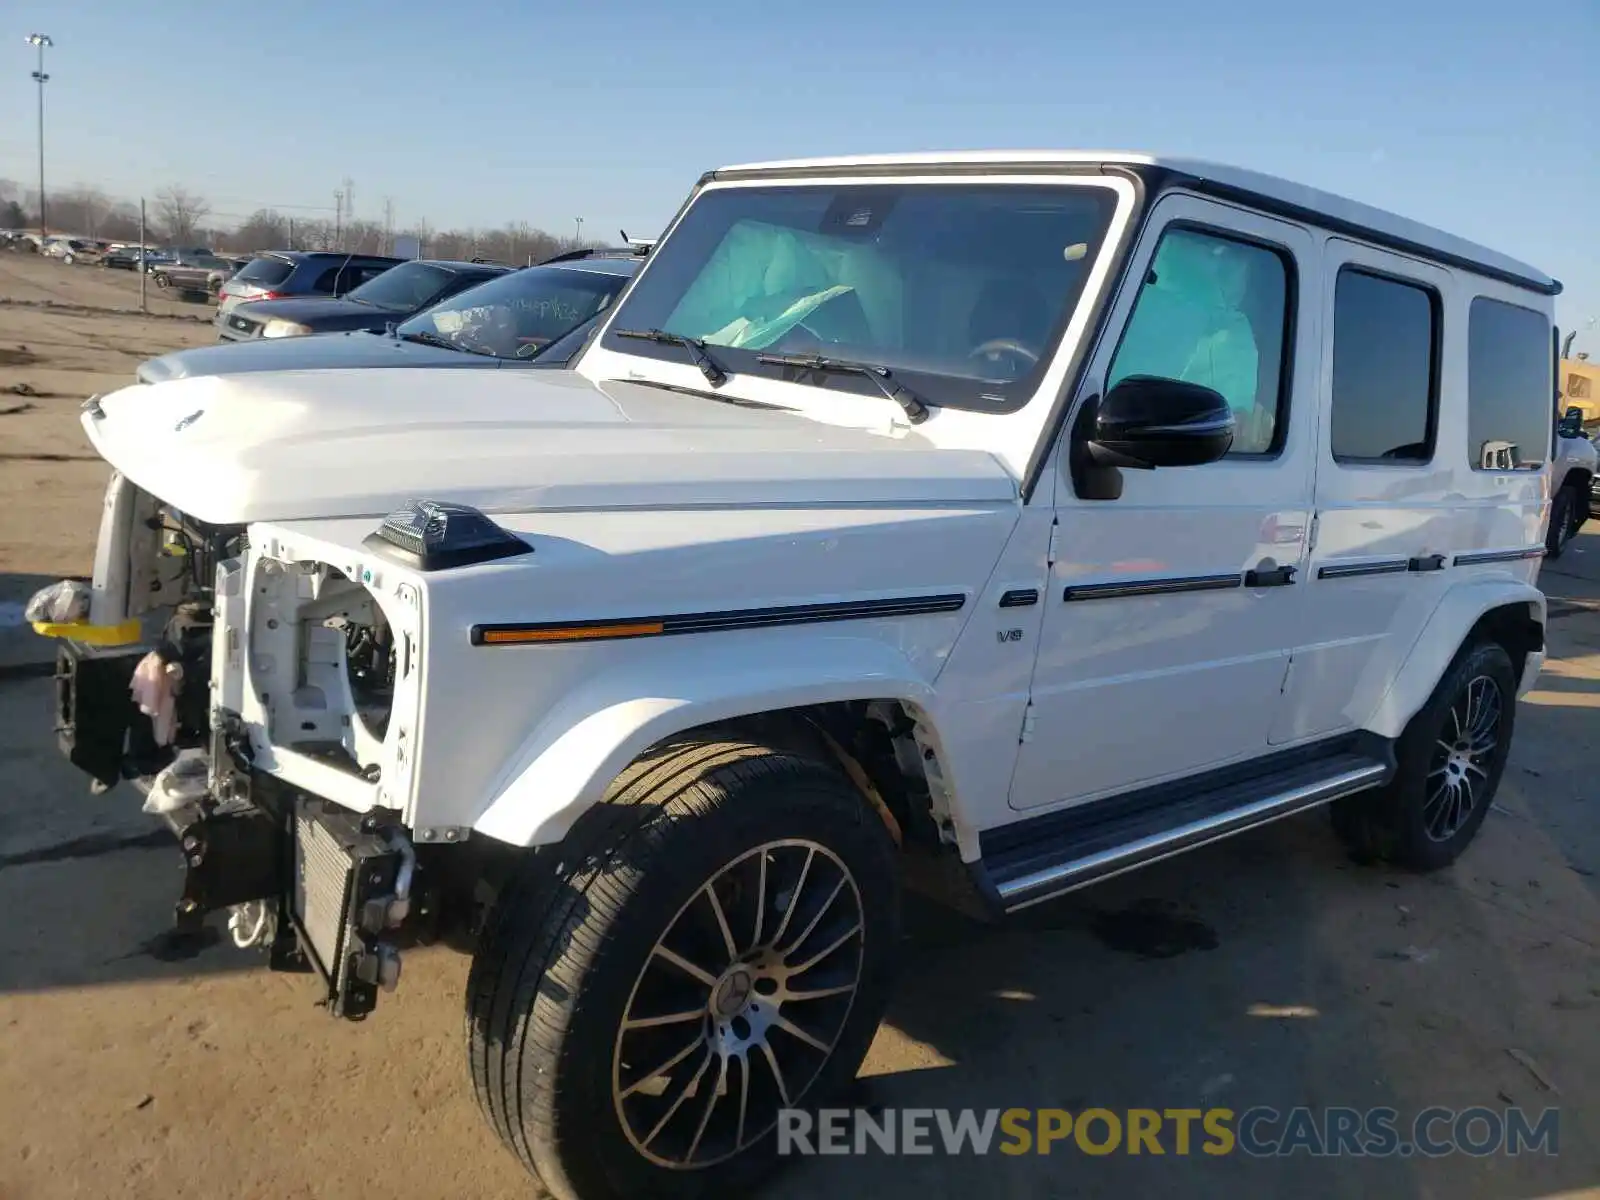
<point x="1313" y="200"/>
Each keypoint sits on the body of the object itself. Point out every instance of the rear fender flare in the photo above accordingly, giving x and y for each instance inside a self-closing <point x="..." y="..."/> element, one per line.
<point x="1462" y="607"/>
<point x="571" y="757"/>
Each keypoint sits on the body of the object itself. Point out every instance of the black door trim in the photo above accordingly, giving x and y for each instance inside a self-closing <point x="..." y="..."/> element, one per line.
<point x="1151" y="587"/>
<point x="1494" y="556"/>
<point x="1389" y="566"/>
<point x="1020" y="598"/>
<point x="518" y="633"/>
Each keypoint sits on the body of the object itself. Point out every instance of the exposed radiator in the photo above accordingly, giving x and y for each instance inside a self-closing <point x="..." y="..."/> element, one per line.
<point x="345" y="880"/>
<point x="322" y="878"/>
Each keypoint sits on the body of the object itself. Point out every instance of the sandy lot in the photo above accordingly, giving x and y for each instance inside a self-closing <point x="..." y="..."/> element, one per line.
<point x="1266" y="971"/>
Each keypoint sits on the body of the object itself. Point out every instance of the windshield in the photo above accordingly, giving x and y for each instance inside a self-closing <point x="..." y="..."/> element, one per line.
<point x="960" y="288"/>
<point x="518" y="315"/>
<point x="403" y="288"/>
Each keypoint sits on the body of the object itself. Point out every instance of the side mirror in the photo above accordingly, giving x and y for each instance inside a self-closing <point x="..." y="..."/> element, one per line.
<point x="1146" y="421"/>
<point x="1571" y="423"/>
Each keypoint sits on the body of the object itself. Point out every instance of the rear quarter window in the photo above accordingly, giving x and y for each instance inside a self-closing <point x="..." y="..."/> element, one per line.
<point x="1509" y="387"/>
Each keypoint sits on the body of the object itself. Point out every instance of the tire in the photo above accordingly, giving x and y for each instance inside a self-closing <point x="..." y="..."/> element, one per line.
<point x="162" y="280"/>
<point x="67" y="260"/>
<point x="1567" y="513"/>
<point x="1440" y="794"/>
<point x="578" y="944"/>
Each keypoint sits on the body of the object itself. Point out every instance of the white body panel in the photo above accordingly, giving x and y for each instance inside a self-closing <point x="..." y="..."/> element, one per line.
<point x="1164" y="685"/>
<point x="289" y="445"/>
<point x="641" y="503"/>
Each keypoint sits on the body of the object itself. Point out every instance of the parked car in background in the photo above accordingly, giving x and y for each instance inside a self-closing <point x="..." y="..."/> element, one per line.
<point x="125" y="257"/>
<point x="277" y="274"/>
<point x="189" y="271"/>
<point x="541" y="300"/>
<point x="231" y="266"/>
<point x="71" y="250"/>
<point x="392" y="296"/>
<point x="540" y="313"/>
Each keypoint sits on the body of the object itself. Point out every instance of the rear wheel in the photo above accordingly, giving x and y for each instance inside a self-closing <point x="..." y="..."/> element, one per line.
<point x="163" y="280"/>
<point x="711" y="944"/>
<point x="1568" y="511"/>
<point x="1449" y="763"/>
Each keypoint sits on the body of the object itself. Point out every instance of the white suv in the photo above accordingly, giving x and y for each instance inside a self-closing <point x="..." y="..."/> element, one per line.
<point x="1041" y="514"/>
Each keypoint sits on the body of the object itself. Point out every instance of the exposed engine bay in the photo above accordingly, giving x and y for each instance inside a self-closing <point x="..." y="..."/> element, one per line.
<point x="249" y="693"/>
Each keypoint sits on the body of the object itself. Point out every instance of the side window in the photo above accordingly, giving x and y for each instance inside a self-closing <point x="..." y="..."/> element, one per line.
<point x="1385" y="369"/>
<point x="1578" y="387"/>
<point x="326" y="282"/>
<point x="1214" y="310"/>
<point x="1508" y="387"/>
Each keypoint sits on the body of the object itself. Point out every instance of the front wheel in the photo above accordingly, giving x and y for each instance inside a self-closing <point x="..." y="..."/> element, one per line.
<point x="1448" y="766"/>
<point x="712" y="944"/>
<point x="162" y="280"/>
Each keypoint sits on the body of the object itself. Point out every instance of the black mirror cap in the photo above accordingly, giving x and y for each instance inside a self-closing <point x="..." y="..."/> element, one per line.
<point x="1147" y="421"/>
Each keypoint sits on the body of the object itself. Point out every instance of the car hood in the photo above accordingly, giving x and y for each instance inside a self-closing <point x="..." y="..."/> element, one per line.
<point x="339" y="443"/>
<point x="325" y="312"/>
<point x="317" y="352"/>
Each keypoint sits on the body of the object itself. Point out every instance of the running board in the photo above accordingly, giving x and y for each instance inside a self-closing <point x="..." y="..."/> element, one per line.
<point x="1037" y="859"/>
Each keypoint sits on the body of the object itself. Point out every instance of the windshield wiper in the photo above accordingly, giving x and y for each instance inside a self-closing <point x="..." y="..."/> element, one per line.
<point x="433" y="339"/>
<point x="908" y="400"/>
<point x="709" y="367"/>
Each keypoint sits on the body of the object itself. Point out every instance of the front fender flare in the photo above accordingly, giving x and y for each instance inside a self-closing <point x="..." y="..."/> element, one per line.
<point x="574" y="753"/>
<point x="1431" y="654"/>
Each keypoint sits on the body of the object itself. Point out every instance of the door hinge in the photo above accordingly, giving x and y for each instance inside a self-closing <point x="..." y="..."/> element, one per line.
<point x="1288" y="673"/>
<point x="1311" y="534"/>
<point x="1027" y="724"/>
<point x="1050" y="555"/>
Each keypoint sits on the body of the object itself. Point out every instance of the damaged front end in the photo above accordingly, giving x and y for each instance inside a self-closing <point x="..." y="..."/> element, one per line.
<point x="266" y="705"/>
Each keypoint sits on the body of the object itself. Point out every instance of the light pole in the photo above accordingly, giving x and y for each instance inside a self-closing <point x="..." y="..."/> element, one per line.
<point x="41" y="41"/>
<point x="579" y="220"/>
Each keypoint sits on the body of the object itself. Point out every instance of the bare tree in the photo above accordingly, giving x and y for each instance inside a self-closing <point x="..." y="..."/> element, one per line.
<point x="264" y="229"/>
<point x="180" y="211"/>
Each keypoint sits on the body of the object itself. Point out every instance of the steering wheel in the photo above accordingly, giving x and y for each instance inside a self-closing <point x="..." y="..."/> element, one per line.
<point x="1004" y="346"/>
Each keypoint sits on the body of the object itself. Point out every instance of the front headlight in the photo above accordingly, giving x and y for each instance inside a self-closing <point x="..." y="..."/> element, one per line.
<point x="280" y="328"/>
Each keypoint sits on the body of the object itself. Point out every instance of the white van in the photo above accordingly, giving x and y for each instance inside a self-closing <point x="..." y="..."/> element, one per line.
<point x="1040" y="514"/>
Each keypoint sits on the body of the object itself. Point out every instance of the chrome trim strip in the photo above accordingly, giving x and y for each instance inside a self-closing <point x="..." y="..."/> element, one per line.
<point x="1048" y="882"/>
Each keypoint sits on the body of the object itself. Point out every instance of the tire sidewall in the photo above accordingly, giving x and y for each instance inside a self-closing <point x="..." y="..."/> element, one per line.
<point x="1560" y="529"/>
<point x="1415" y="754"/>
<point x="596" y="1153"/>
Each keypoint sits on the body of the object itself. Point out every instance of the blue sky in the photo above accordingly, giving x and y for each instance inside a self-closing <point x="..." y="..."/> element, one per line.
<point x="1475" y="115"/>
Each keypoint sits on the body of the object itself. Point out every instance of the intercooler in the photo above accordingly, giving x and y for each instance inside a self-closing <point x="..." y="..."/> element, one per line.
<point x="351" y="884"/>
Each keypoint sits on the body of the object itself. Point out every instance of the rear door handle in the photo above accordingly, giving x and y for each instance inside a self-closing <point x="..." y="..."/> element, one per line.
<point x="1265" y="577"/>
<point x="1432" y="562"/>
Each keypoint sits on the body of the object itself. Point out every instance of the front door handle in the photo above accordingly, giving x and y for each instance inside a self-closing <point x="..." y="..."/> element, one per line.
<point x="1429" y="562"/>
<point x="1265" y="577"/>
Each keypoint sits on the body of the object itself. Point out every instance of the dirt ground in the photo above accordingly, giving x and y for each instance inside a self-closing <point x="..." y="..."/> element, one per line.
<point x="1268" y="970"/>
